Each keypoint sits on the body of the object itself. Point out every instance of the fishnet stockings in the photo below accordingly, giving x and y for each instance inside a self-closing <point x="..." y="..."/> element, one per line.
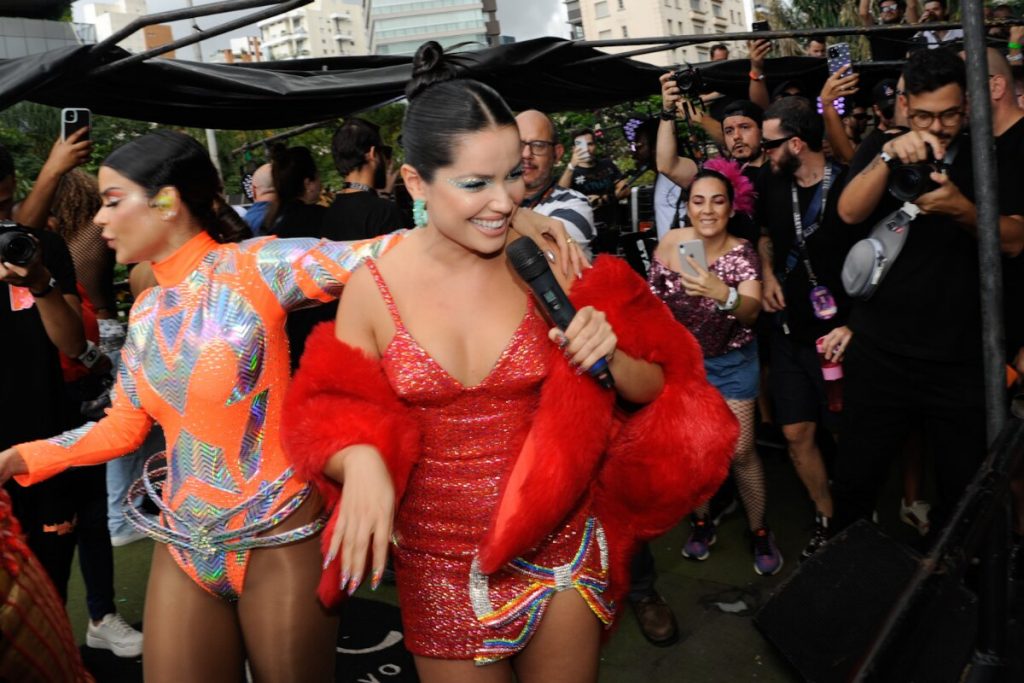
<point x="747" y="468"/>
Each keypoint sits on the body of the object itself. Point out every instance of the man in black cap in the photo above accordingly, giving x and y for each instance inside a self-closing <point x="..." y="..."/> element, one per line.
<point x="886" y="115"/>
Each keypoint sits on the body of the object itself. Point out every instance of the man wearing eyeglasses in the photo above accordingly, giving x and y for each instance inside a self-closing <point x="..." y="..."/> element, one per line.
<point x="890" y="45"/>
<point x="916" y="360"/>
<point x="540" y="151"/>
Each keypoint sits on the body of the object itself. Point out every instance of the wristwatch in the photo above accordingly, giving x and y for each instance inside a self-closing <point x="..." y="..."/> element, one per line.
<point x="46" y="290"/>
<point x="731" y="302"/>
<point x="91" y="355"/>
<point x="888" y="159"/>
<point x="668" y="115"/>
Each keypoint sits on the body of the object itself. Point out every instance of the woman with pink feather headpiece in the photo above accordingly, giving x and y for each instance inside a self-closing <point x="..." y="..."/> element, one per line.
<point x="718" y="298"/>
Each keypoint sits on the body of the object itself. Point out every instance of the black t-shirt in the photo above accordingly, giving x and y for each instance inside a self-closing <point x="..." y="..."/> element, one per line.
<point x="298" y="219"/>
<point x="742" y="225"/>
<point x="928" y="305"/>
<point x="1009" y="151"/>
<point x="360" y="216"/>
<point x="599" y="179"/>
<point x="891" y="45"/>
<point x="31" y="383"/>
<point x="826" y="247"/>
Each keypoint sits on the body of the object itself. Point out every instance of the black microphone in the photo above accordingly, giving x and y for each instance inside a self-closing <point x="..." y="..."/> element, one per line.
<point x="532" y="266"/>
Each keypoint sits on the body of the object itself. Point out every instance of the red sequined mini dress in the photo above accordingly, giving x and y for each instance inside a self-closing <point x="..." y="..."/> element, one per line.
<point x="471" y="436"/>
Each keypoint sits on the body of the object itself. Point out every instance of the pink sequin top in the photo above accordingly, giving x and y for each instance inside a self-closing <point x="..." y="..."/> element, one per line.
<point x="717" y="331"/>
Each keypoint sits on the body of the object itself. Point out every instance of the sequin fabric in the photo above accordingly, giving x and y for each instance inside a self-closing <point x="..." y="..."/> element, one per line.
<point x="717" y="332"/>
<point x="207" y="357"/>
<point x="471" y="436"/>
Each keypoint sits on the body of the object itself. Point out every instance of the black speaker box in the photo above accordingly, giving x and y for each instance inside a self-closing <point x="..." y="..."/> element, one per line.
<point x="826" y="614"/>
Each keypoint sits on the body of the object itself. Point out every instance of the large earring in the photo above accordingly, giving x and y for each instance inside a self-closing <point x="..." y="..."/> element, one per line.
<point x="419" y="212"/>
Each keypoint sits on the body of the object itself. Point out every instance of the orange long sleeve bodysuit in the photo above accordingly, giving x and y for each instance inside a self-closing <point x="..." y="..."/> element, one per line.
<point x="207" y="357"/>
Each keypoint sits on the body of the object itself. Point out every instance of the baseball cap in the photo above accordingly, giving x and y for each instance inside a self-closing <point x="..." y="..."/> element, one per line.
<point x="884" y="93"/>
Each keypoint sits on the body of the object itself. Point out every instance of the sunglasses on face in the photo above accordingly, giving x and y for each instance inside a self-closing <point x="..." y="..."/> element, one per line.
<point x="776" y="143"/>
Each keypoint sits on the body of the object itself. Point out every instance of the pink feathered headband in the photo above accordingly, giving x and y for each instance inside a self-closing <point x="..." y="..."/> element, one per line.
<point x="742" y="188"/>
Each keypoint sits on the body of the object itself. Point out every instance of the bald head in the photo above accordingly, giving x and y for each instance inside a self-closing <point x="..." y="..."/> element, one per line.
<point x="263" y="184"/>
<point x="539" y="158"/>
<point x="536" y="122"/>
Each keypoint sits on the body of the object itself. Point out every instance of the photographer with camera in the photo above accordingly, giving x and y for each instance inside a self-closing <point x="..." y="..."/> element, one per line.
<point x="41" y="315"/>
<point x="802" y="247"/>
<point x="914" y="363"/>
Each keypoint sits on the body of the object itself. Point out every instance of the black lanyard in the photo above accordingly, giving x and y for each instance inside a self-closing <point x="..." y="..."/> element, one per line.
<point x="798" y="225"/>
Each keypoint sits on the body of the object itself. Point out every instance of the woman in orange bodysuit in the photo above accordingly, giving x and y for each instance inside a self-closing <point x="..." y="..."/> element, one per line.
<point x="234" y="574"/>
<point x="519" y="492"/>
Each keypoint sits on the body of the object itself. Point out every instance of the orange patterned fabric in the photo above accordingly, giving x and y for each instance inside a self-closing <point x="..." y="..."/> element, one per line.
<point x="206" y="356"/>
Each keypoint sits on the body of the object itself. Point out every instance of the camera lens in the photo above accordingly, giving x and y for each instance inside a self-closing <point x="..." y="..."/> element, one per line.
<point x="17" y="247"/>
<point x="910" y="181"/>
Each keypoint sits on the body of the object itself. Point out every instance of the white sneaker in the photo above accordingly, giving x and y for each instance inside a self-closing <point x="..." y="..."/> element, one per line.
<point x="126" y="538"/>
<point x="113" y="633"/>
<point x="916" y="515"/>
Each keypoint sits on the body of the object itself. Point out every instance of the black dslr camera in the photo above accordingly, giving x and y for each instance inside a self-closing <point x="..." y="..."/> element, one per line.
<point x="689" y="81"/>
<point x="17" y="246"/>
<point x="907" y="182"/>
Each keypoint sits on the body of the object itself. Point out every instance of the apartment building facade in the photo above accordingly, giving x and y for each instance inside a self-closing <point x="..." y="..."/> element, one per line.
<point x="324" y="28"/>
<point x="398" y="27"/>
<point x="111" y="17"/>
<point x="613" y="19"/>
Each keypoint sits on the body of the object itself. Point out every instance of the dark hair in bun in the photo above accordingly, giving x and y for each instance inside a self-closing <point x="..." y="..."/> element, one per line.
<point x="169" y="158"/>
<point x="443" y="107"/>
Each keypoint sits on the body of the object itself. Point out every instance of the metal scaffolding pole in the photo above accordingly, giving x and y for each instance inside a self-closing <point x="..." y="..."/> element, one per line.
<point x="211" y="136"/>
<point x="989" y="661"/>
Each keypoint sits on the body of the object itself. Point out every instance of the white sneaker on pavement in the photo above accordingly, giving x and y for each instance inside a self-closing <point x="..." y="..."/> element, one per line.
<point x="127" y="538"/>
<point x="113" y="633"/>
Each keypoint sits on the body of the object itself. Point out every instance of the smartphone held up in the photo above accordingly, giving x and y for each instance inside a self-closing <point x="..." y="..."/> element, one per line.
<point x="72" y="119"/>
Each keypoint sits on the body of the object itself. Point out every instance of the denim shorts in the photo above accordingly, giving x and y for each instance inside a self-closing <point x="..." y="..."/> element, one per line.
<point x="737" y="374"/>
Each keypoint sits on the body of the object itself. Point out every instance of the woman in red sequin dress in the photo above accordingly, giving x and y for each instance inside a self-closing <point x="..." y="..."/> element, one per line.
<point x="519" y="494"/>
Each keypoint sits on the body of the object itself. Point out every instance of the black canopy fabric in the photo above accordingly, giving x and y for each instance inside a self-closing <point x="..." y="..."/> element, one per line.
<point x="551" y="74"/>
<point x="545" y="73"/>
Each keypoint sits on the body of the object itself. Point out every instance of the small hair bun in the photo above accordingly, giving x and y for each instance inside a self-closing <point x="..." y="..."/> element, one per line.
<point x="429" y="66"/>
<point x="428" y="56"/>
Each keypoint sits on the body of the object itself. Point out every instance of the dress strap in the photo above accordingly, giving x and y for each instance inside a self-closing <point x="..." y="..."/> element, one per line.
<point x="384" y="291"/>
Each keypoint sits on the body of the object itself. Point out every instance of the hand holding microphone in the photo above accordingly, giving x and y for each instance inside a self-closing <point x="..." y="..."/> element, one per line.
<point x="586" y="337"/>
<point x="588" y="341"/>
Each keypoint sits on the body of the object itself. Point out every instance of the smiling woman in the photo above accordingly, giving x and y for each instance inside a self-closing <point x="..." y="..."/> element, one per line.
<point x="455" y="409"/>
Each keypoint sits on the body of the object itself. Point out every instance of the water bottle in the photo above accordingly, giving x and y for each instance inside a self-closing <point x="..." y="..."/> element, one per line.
<point x="832" y="371"/>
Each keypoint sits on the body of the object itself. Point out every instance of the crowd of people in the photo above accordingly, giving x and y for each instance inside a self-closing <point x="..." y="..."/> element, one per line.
<point x="440" y="422"/>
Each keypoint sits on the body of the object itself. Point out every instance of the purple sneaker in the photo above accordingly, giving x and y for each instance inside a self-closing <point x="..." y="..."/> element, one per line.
<point x="767" y="558"/>
<point x="698" y="546"/>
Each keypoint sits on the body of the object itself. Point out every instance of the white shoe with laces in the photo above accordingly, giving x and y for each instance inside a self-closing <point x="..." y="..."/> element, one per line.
<point x="113" y="633"/>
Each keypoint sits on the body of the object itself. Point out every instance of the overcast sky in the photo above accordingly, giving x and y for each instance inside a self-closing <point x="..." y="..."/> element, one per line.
<point x="521" y="19"/>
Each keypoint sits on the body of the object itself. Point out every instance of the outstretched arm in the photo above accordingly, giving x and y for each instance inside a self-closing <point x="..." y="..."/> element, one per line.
<point x="679" y="170"/>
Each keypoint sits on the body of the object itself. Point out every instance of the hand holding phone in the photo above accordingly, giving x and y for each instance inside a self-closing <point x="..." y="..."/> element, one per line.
<point x="838" y="57"/>
<point x="582" y="151"/>
<point x="73" y="119"/>
<point x="694" y="248"/>
<point x="73" y="147"/>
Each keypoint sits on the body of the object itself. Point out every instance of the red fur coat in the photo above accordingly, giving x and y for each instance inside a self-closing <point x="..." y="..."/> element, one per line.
<point x="646" y="469"/>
